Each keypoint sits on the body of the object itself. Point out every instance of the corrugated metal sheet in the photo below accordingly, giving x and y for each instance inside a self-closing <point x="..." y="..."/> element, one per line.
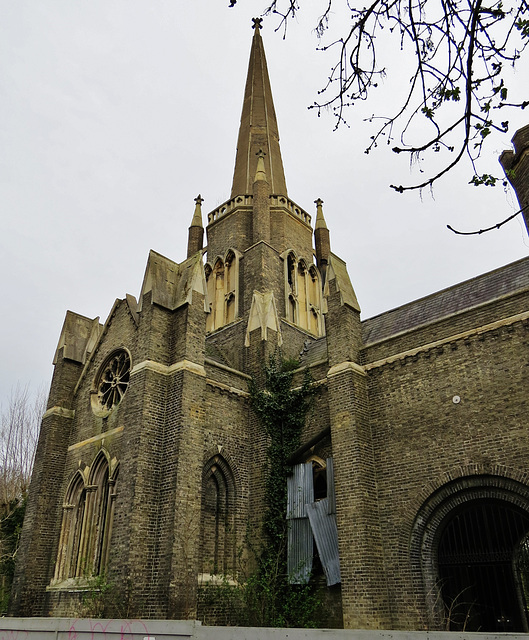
<point x="331" y="495"/>
<point x="299" y="557"/>
<point x="326" y="535"/>
<point x="300" y="490"/>
<point x="321" y="523"/>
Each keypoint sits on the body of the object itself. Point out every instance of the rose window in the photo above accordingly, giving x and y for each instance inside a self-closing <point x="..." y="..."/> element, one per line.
<point x="112" y="382"/>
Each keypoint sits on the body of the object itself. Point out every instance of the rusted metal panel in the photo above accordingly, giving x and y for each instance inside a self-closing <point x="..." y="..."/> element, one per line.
<point x="325" y="533"/>
<point x="299" y="556"/>
<point x="300" y="490"/>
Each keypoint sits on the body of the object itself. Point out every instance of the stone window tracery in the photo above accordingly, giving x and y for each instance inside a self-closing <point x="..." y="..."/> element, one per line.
<point x="88" y="512"/>
<point x="222" y="288"/>
<point x="111" y="382"/>
<point x="303" y="295"/>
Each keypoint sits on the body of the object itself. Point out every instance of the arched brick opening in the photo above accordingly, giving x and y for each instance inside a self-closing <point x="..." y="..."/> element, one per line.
<point x="455" y="499"/>
<point x="218" y="540"/>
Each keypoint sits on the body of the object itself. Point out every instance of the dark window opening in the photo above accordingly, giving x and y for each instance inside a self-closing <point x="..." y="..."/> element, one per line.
<point x="319" y="475"/>
<point x="290" y="271"/>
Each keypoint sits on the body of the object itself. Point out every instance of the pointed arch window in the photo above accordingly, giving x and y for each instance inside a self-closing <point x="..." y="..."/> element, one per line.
<point x="88" y="512"/>
<point x="222" y="280"/>
<point x="68" y="557"/>
<point x="103" y="510"/>
<point x="230" y="287"/>
<point x="303" y="294"/>
<point x="217" y="546"/>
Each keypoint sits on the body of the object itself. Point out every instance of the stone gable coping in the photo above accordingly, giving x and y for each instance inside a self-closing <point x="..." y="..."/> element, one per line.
<point x="311" y="365"/>
<point x="59" y="411"/>
<point x="346" y="366"/>
<point x="168" y="370"/>
<point x="219" y="365"/>
<point x="101" y="436"/>
<point x="78" y="337"/>
<point x="225" y="387"/>
<point x="102" y="334"/>
<point x="479" y="331"/>
<point x="337" y="271"/>
<point x="171" y="283"/>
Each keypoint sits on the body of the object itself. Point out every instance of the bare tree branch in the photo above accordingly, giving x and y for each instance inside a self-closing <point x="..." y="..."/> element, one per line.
<point x="494" y="226"/>
<point x="457" y="83"/>
<point x="19" y="430"/>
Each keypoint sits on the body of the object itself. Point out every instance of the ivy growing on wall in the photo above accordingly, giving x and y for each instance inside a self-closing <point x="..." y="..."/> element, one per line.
<point x="282" y="411"/>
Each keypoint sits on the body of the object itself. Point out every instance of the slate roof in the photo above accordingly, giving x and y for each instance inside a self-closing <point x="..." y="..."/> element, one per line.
<point x="460" y="297"/>
<point x="214" y="353"/>
<point x="314" y="351"/>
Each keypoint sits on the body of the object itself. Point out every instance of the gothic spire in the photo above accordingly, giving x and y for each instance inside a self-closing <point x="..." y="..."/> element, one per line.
<point x="258" y="129"/>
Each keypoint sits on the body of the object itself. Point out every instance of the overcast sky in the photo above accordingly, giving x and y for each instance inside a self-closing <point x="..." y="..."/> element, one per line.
<point x="114" y="115"/>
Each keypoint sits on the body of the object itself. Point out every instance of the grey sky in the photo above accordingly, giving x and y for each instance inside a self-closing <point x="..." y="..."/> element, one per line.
<point x="114" y="115"/>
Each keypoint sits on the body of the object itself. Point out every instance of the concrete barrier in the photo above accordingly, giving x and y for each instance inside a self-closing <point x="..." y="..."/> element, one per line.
<point x="92" y="629"/>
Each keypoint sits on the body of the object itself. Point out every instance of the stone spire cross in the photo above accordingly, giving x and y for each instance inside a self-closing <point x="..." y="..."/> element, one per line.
<point x="258" y="129"/>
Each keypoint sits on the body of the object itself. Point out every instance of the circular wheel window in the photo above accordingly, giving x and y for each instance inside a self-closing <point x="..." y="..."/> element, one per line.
<point x="111" y="382"/>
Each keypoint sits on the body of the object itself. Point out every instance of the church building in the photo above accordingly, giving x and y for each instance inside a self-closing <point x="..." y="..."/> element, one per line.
<point x="413" y="471"/>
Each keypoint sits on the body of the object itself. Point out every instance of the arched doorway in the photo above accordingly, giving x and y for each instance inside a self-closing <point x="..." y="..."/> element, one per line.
<point x="469" y="549"/>
<point x="478" y="563"/>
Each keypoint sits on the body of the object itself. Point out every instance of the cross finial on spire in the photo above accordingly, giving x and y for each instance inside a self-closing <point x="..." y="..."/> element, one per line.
<point x="195" y="236"/>
<point x="197" y="216"/>
<point x="322" y="240"/>
<point x="320" y="220"/>
<point x="257" y="23"/>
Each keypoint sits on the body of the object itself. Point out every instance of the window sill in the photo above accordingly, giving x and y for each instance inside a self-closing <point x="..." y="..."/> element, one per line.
<point x="74" y="584"/>
<point x="216" y="579"/>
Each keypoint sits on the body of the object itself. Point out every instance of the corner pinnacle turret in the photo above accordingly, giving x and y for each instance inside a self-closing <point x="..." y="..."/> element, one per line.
<point x="322" y="240"/>
<point x="258" y="129"/>
<point x="195" y="236"/>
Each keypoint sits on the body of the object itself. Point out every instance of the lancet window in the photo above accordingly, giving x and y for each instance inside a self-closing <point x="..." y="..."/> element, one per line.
<point x="87" y="521"/>
<point x="303" y="294"/>
<point x="223" y="290"/>
<point x="217" y="551"/>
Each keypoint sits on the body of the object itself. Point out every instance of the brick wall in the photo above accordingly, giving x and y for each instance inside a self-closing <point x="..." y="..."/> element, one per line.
<point x="422" y="439"/>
